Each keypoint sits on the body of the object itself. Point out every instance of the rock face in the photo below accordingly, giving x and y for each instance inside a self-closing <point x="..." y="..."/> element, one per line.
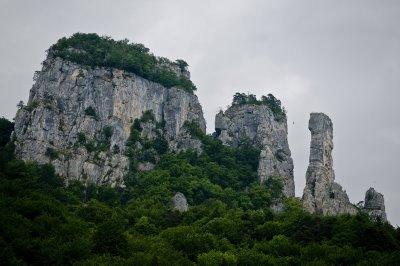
<point x="374" y="205"/>
<point x="257" y="124"/>
<point x="321" y="194"/>
<point x="179" y="202"/>
<point x="70" y="104"/>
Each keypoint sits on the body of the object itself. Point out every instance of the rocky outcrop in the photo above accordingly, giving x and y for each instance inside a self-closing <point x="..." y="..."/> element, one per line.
<point x="374" y="205"/>
<point x="322" y="195"/>
<point x="179" y="202"/>
<point x="79" y="119"/>
<point x="257" y="124"/>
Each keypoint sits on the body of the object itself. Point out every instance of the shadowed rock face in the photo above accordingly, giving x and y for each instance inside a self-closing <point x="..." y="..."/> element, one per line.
<point x="321" y="194"/>
<point x="257" y="124"/>
<point x="374" y="205"/>
<point x="69" y="100"/>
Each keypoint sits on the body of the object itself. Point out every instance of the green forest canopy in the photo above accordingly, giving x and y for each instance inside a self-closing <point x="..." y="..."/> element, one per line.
<point x="93" y="50"/>
<point x="229" y="222"/>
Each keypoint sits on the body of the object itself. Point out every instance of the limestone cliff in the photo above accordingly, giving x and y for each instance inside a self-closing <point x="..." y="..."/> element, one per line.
<point x="258" y="124"/>
<point x="322" y="195"/>
<point x="374" y="205"/>
<point x="70" y="104"/>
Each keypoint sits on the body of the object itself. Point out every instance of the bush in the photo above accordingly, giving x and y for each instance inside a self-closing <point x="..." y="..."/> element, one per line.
<point x="107" y="133"/>
<point x="81" y="138"/>
<point x="91" y="145"/>
<point x="194" y="129"/>
<point x="147" y="116"/>
<point x="90" y="111"/>
<point x="161" y="145"/>
<point x="214" y="258"/>
<point x="109" y="238"/>
<point x="48" y="177"/>
<point x="32" y="106"/>
<point x="52" y="153"/>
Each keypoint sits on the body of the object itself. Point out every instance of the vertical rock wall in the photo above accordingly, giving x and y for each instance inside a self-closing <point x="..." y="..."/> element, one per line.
<point x="70" y="104"/>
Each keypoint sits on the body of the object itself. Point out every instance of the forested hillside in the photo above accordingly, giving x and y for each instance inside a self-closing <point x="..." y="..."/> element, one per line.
<point x="44" y="221"/>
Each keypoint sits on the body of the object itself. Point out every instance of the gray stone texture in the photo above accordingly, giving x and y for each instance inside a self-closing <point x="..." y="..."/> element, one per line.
<point x="258" y="125"/>
<point x="55" y="115"/>
<point x="322" y="195"/>
<point x="374" y="205"/>
<point x="179" y="202"/>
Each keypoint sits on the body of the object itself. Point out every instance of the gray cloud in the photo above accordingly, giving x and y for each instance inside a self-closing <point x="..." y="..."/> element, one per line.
<point x="338" y="57"/>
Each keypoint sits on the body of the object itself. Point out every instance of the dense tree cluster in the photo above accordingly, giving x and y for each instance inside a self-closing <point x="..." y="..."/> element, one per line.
<point x="273" y="103"/>
<point x="93" y="50"/>
<point x="229" y="221"/>
<point x="6" y="127"/>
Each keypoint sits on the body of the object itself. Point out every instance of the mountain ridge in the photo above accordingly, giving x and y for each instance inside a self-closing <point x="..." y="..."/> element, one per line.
<point x="130" y="177"/>
<point x="97" y="105"/>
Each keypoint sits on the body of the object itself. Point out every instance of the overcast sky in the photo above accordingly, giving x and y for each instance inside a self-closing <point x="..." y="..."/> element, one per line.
<point x="337" y="57"/>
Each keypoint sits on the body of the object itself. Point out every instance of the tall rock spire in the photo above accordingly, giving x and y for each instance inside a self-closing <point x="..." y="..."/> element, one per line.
<point x="322" y="195"/>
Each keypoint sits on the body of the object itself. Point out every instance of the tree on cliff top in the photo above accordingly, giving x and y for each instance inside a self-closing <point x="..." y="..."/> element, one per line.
<point x="270" y="100"/>
<point x="93" y="50"/>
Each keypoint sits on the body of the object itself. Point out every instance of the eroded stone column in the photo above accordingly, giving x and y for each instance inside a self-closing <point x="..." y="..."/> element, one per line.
<point x="322" y="195"/>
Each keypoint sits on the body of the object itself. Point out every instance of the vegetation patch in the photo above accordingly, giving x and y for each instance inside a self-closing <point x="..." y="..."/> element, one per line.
<point x="273" y="103"/>
<point x="32" y="106"/>
<point x="147" y="116"/>
<point x="6" y="128"/>
<point x="229" y="221"/>
<point x="93" y="50"/>
<point x="52" y="153"/>
<point x="90" y="111"/>
<point x="81" y="138"/>
<point x="141" y="149"/>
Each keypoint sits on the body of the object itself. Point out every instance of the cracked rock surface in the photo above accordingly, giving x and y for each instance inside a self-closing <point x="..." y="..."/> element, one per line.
<point x="70" y="106"/>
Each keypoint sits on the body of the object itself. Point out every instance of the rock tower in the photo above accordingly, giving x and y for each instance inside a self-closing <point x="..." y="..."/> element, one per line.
<point x="374" y="205"/>
<point x="322" y="195"/>
<point x="265" y="131"/>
